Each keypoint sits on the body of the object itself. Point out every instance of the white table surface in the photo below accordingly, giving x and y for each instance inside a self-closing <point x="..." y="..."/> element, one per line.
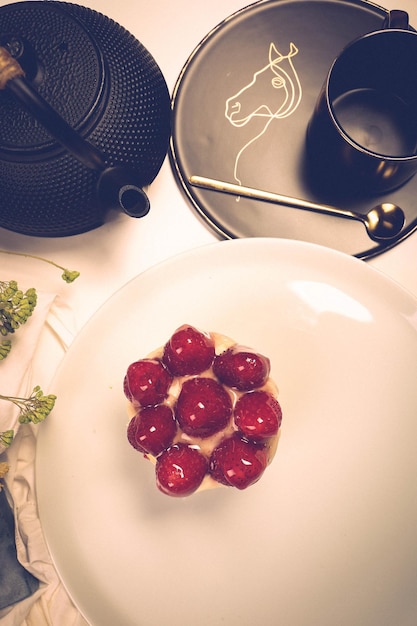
<point x="109" y="256"/>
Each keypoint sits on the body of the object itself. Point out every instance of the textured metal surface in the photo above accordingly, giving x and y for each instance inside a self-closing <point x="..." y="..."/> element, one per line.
<point x="105" y="84"/>
<point x="70" y="72"/>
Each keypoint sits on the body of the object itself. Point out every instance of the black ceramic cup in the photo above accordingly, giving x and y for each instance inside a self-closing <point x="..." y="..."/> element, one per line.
<point x="362" y="136"/>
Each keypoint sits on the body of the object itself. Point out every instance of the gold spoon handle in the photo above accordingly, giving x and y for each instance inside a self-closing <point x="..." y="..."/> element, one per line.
<point x="267" y="196"/>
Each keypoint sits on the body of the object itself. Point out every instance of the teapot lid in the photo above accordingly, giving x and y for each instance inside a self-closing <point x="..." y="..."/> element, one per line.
<point x="63" y="62"/>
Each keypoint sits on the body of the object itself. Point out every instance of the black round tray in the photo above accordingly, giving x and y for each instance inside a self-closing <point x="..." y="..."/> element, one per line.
<point x="233" y="64"/>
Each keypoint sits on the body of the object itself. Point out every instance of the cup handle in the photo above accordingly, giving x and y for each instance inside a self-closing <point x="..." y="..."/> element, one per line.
<point x="397" y="19"/>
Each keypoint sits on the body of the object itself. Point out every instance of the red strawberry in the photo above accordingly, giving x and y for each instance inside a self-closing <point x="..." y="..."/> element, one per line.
<point x="188" y="351"/>
<point x="237" y="462"/>
<point x="147" y="382"/>
<point x="131" y="434"/>
<point x="258" y="415"/>
<point x="152" y="429"/>
<point x="241" y="368"/>
<point x="180" y="470"/>
<point x="203" y="407"/>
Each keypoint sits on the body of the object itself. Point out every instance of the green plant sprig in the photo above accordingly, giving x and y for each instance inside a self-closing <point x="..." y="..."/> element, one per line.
<point x="6" y="438"/>
<point x="5" y="347"/>
<point x="15" y="306"/>
<point x="67" y="275"/>
<point x="33" y="409"/>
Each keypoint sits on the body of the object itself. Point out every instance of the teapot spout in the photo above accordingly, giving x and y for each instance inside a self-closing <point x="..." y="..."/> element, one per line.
<point x="117" y="189"/>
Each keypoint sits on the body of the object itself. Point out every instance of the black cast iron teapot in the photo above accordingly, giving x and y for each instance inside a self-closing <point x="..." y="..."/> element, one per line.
<point x="84" y="119"/>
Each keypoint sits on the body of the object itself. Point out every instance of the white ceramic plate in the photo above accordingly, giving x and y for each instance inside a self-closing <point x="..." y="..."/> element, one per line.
<point x="328" y="536"/>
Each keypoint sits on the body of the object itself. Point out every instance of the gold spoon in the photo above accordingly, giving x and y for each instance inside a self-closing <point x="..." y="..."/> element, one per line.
<point x="383" y="223"/>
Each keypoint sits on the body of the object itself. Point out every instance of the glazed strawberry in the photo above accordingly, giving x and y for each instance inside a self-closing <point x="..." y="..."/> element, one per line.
<point x="237" y="462"/>
<point x="203" y="407"/>
<point x="241" y="368"/>
<point x="131" y="434"/>
<point x="180" y="470"/>
<point x="146" y="382"/>
<point x="188" y="351"/>
<point x="152" y="429"/>
<point x="258" y="414"/>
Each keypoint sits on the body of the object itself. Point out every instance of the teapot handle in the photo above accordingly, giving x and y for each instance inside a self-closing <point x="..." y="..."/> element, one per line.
<point x="116" y="187"/>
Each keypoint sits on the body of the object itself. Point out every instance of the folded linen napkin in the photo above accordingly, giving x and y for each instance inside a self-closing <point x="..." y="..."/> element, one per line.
<point x="43" y="339"/>
<point x="16" y="583"/>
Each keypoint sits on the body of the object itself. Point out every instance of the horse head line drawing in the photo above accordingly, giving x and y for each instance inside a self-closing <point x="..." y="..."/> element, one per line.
<point x="284" y="80"/>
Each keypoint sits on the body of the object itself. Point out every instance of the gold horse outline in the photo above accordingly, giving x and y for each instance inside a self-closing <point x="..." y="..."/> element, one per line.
<point x="284" y="78"/>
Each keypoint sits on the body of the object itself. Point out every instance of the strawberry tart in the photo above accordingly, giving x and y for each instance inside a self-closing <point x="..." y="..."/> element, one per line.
<point x="204" y="410"/>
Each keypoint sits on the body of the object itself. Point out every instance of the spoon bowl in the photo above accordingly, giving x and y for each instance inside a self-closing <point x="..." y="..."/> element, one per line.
<point x="384" y="222"/>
